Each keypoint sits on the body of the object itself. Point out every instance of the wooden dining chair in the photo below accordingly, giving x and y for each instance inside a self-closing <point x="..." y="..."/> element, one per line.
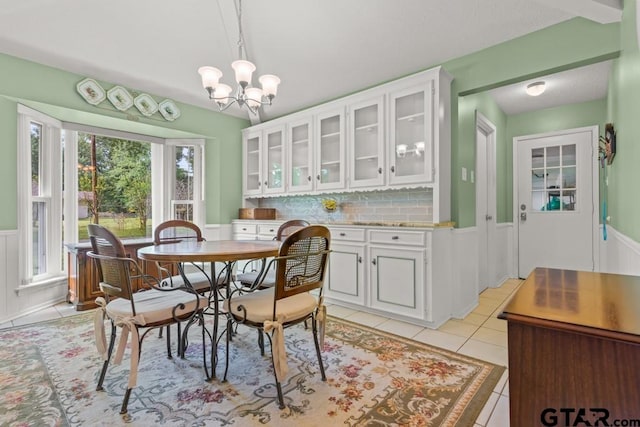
<point x="259" y="276"/>
<point x="299" y="269"/>
<point x="134" y="302"/>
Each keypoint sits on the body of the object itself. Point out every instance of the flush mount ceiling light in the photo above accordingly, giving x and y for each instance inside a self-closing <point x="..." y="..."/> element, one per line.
<point x="252" y="97"/>
<point x="535" y="89"/>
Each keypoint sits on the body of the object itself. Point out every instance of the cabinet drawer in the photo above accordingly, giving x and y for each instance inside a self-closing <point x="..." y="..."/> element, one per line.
<point x="413" y="238"/>
<point x="347" y="234"/>
<point x="268" y="231"/>
<point x="245" y="229"/>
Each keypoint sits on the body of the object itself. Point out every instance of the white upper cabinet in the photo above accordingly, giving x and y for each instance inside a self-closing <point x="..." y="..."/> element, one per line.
<point x="300" y="154"/>
<point x="411" y="135"/>
<point x="393" y="136"/>
<point x="252" y="163"/>
<point x="366" y="143"/>
<point x="274" y="161"/>
<point x="264" y="161"/>
<point x="329" y="150"/>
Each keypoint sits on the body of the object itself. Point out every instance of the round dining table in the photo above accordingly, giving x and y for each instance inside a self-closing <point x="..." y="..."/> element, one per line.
<point x="211" y="251"/>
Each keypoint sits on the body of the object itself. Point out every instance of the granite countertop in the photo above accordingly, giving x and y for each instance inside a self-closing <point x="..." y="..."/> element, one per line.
<point x="403" y="224"/>
<point x="392" y="224"/>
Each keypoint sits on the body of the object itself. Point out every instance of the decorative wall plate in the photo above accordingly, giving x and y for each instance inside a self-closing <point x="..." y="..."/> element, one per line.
<point x="120" y="98"/>
<point x="91" y="91"/>
<point x="169" y="110"/>
<point x="145" y="104"/>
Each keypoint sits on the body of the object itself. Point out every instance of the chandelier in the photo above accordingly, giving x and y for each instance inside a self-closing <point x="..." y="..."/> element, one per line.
<point x="245" y="94"/>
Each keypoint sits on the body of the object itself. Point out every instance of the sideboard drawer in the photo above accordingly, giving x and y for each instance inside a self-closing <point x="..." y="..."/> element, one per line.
<point x="398" y="237"/>
<point x="245" y="228"/>
<point x="347" y="234"/>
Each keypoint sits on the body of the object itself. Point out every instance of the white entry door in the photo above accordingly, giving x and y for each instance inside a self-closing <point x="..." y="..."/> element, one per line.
<point x="556" y="200"/>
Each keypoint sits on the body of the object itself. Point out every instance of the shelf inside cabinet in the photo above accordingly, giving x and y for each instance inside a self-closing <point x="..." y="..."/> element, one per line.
<point x="252" y="173"/>
<point x="275" y="147"/>
<point x="330" y="163"/>
<point x="367" y="128"/>
<point x="253" y="152"/>
<point x="368" y="158"/>
<point x="300" y="141"/>
<point x="329" y="135"/>
<point x="411" y="117"/>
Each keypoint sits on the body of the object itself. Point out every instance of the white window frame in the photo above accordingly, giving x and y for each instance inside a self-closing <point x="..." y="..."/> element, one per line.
<point x="50" y="173"/>
<point x="198" y="179"/>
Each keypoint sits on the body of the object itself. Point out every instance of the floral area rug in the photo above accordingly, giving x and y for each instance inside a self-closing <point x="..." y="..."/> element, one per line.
<point x="49" y="371"/>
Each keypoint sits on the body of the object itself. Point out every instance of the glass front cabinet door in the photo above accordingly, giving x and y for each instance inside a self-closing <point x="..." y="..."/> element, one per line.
<point x="273" y="154"/>
<point x="329" y="158"/>
<point x="411" y="135"/>
<point x="366" y="149"/>
<point x="300" y="154"/>
<point x="252" y="164"/>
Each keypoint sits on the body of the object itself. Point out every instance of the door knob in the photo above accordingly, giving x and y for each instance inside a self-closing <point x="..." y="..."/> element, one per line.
<point x="488" y="217"/>
<point x="523" y="216"/>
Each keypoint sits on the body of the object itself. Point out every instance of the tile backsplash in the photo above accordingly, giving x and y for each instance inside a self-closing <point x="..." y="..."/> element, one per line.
<point x="376" y="206"/>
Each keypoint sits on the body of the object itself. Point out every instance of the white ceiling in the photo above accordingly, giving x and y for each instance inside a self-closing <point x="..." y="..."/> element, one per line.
<point x="320" y="49"/>
<point x="568" y="87"/>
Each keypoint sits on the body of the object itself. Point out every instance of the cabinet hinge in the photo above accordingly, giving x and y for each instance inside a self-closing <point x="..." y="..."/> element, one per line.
<point x="433" y="90"/>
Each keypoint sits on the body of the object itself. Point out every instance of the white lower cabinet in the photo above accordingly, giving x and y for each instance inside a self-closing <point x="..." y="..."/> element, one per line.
<point x="397" y="280"/>
<point x="345" y="280"/>
<point x="389" y="271"/>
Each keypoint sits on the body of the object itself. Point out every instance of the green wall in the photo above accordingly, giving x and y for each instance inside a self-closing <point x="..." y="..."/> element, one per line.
<point x="563" y="46"/>
<point x="624" y="112"/>
<point x="53" y="91"/>
<point x="467" y="107"/>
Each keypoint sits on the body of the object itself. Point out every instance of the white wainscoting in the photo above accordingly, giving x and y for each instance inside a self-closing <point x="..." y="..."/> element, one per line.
<point x="217" y="232"/>
<point x="464" y="275"/>
<point x="12" y="304"/>
<point x="505" y="267"/>
<point x="619" y="253"/>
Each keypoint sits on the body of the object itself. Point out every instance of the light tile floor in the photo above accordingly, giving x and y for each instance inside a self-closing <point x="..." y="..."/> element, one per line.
<point x="480" y="334"/>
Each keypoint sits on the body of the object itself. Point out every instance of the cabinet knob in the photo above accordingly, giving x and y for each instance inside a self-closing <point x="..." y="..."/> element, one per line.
<point x="380" y="170"/>
<point x="266" y="183"/>
<point x="360" y="259"/>
<point x="271" y="230"/>
<point x="393" y="169"/>
<point x="259" y="184"/>
<point x="343" y="234"/>
<point x="395" y="237"/>
<point x="318" y="177"/>
<point x="373" y="261"/>
<point x="309" y="178"/>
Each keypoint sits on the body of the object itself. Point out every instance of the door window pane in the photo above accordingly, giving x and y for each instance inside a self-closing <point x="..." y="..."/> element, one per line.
<point x="553" y="178"/>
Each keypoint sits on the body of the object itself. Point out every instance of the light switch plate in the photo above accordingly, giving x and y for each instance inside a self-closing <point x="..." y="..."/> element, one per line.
<point x="464" y="174"/>
<point x="473" y="177"/>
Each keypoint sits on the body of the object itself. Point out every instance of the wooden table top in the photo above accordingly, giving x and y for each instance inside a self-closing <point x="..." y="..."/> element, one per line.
<point x="210" y="251"/>
<point x="578" y="301"/>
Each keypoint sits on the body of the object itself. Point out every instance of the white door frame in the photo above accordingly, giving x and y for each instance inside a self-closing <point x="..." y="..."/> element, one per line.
<point x="595" y="193"/>
<point x="486" y="220"/>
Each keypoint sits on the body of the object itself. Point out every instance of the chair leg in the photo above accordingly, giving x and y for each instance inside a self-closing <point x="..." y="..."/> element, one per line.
<point x="125" y="402"/>
<point x="169" y="355"/>
<point x="314" y="329"/>
<point x="112" y="342"/>
<point x="228" y="332"/>
<point x="278" y="386"/>
<point x="261" y="342"/>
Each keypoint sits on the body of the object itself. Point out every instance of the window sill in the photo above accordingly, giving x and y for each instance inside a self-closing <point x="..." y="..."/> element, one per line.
<point x="41" y="284"/>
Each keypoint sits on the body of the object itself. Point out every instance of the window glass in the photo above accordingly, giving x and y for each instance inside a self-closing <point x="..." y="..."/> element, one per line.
<point x="36" y="156"/>
<point x="553" y="178"/>
<point x="114" y="185"/>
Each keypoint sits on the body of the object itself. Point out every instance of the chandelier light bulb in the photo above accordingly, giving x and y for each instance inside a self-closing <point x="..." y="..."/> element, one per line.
<point x="210" y="76"/>
<point x="269" y="84"/>
<point x="536" y="88"/>
<point x="254" y="97"/>
<point x="222" y="93"/>
<point x="244" y="70"/>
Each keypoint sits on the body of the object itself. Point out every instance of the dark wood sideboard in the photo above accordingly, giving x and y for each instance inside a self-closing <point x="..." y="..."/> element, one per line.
<point x="83" y="286"/>
<point x="574" y="348"/>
